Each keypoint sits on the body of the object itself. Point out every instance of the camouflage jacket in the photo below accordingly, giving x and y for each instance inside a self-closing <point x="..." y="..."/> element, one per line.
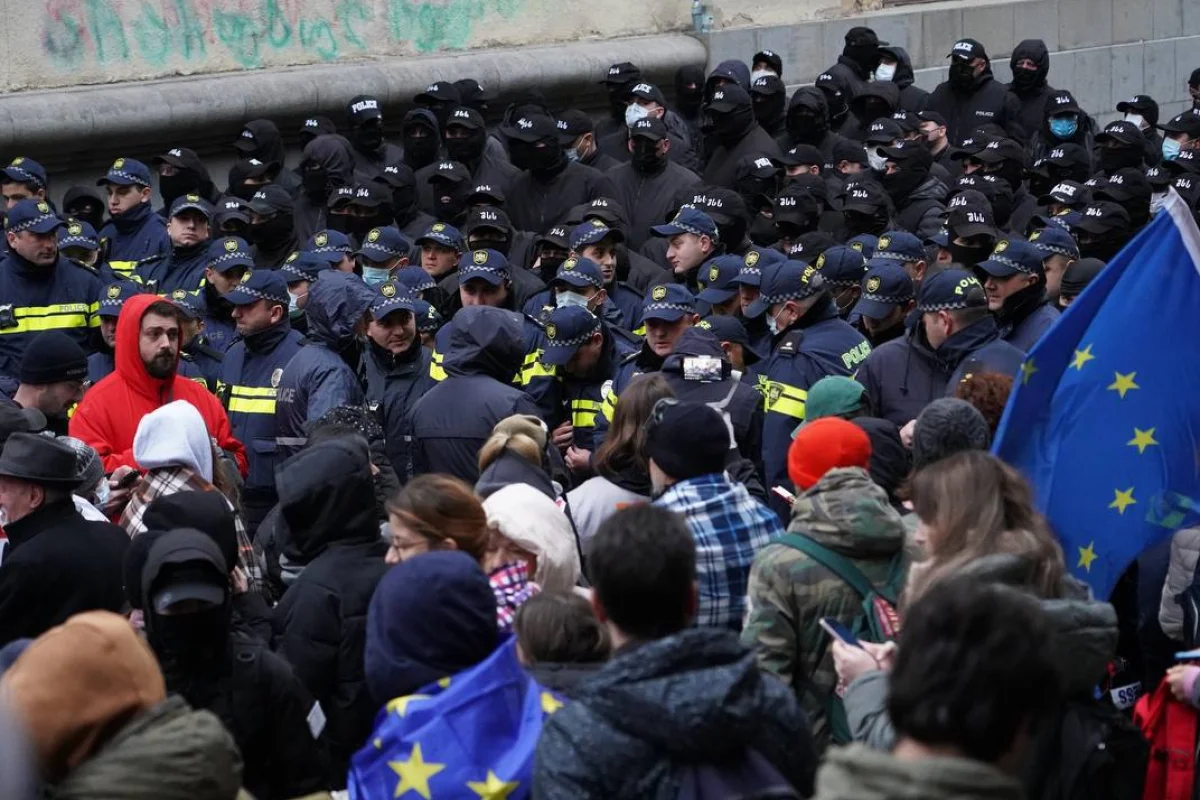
<point x="789" y="592"/>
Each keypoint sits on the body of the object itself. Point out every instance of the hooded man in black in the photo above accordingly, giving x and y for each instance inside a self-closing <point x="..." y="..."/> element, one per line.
<point x="1030" y="64"/>
<point x="328" y="164"/>
<point x="465" y="138"/>
<point x="877" y="100"/>
<point x="84" y="204"/>
<point x="647" y="186"/>
<point x="186" y="598"/>
<point x="271" y="228"/>
<point x="729" y="119"/>
<point x="181" y="172"/>
<point x="917" y="196"/>
<point x="895" y="65"/>
<point x="422" y="138"/>
<point x="770" y="99"/>
<point x="689" y="102"/>
<point x="261" y="139"/>
<point x="808" y="122"/>
<point x="972" y="97"/>
<point x="859" y="58"/>
<point x="371" y="152"/>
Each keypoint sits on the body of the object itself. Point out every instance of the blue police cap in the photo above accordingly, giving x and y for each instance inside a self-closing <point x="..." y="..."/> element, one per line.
<point x="303" y="265"/>
<point x="754" y="262"/>
<point x="330" y="245"/>
<point x="1054" y="240"/>
<point x="591" y="232"/>
<point x="951" y="290"/>
<point x="719" y="277"/>
<point x="26" y="170"/>
<point x="229" y="252"/>
<point x="1011" y="256"/>
<point x="191" y="202"/>
<point x="490" y="265"/>
<point x="416" y="279"/>
<point x="730" y="329"/>
<point x="885" y="286"/>
<point x="194" y="305"/>
<point x="391" y="295"/>
<point x="790" y="280"/>
<point x="567" y="329"/>
<point x="668" y="302"/>
<point x="384" y="244"/>
<point x="900" y="246"/>
<point x="77" y="233"/>
<point x="445" y="235"/>
<point x="114" y="295"/>
<point x="864" y="243"/>
<point x="688" y="220"/>
<point x="579" y="272"/>
<point x="428" y="318"/>
<point x="126" y="172"/>
<point x="32" y="215"/>
<point x="260" y="284"/>
<point x="842" y="266"/>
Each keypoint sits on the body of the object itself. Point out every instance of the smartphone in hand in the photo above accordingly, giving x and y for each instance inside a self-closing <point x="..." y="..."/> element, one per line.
<point x="839" y="631"/>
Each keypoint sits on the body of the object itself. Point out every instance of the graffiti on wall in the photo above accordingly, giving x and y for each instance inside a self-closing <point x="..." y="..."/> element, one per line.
<point x="158" y="33"/>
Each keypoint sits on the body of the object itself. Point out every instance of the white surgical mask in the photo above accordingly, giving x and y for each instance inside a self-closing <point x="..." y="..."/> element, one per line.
<point x="772" y="323"/>
<point x="1136" y="119"/>
<point x="760" y="73"/>
<point x="1171" y="149"/>
<point x="877" y="160"/>
<point x="294" y="309"/>
<point x="572" y="153"/>
<point x="1157" y="201"/>
<point x="635" y="112"/>
<point x="885" y="72"/>
<point x="102" y="493"/>
<point x="373" y="276"/>
<point x="568" y="298"/>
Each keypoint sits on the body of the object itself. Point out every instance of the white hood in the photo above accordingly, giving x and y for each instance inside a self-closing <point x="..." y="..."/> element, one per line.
<point x="534" y="522"/>
<point x="174" y="436"/>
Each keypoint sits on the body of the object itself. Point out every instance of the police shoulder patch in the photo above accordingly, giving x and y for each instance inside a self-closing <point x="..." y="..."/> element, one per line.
<point x="114" y="292"/>
<point x="388" y="289"/>
<point x="480" y="257"/>
<point x="659" y="293"/>
<point x="873" y="284"/>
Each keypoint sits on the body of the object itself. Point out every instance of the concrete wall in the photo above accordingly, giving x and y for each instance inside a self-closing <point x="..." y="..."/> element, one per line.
<point x="1102" y="50"/>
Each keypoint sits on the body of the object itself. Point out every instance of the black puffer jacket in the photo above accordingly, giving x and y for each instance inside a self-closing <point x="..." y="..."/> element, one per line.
<point x="987" y="101"/>
<point x="912" y="97"/>
<point x="327" y="499"/>
<point x="693" y="698"/>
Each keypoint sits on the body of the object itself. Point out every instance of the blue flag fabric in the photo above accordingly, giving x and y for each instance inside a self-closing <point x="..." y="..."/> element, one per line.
<point x="470" y="736"/>
<point x="1104" y="419"/>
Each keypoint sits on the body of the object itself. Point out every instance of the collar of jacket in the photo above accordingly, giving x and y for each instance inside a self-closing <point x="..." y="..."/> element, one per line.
<point x="31" y="271"/>
<point x="132" y="219"/>
<point x="396" y="364"/>
<point x="822" y="310"/>
<point x="1020" y="305"/>
<point x="963" y="343"/>
<point x="41" y="519"/>
<point x="268" y="338"/>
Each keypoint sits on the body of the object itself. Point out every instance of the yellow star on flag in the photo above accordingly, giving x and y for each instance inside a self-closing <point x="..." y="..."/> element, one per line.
<point x="493" y="788"/>
<point x="1123" y="500"/>
<point x="400" y="704"/>
<point x="1123" y="383"/>
<point x="550" y="703"/>
<point x="415" y="773"/>
<point x="1027" y="370"/>
<point x="1142" y="439"/>
<point x="1082" y="357"/>
<point x="1087" y="555"/>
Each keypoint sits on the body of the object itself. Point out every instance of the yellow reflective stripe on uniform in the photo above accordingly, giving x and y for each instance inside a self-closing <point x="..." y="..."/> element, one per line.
<point x="640" y="330"/>
<point x="533" y="368"/>
<point x="608" y="403"/>
<point x="583" y="413"/>
<point x="252" y="399"/>
<point x="784" y="399"/>
<point x="436" y="370"/>
<point x="56" y="317"/>
<point x="94" y="319"/>
<point x="123" y="267"/>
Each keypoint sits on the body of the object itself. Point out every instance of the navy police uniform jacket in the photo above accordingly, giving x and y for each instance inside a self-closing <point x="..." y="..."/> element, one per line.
<point x="33" y="299"/>
<point x="642" y="361"/>
<point x="204" y="359"/>
<point x="583" y="397"/>
<point x="394" y="384"/>
<point x="819" y="344"/>
<point x="137" y="235"/>
<point x="905" y="375"/>
<point x="1024" y="323"/>
<point x="183" y="269"/>
<point x="251" y="372"/>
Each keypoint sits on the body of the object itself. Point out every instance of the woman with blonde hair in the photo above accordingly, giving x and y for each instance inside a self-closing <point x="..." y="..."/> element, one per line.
<point x="515" y="453"/>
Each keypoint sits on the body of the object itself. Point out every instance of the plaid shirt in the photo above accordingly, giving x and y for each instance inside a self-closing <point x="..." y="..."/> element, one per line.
<point x="729" y="527"/>
<point x="162" y="482"/>
<point x="512" y="587"/>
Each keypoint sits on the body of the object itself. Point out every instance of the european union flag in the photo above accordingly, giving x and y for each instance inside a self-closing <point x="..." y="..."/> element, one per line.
<point x="471" y="736"/>
<point x="1105" y="417"/>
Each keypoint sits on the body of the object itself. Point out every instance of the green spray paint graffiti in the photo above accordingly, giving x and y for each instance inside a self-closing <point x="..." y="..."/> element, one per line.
<point x="77" y="34"/>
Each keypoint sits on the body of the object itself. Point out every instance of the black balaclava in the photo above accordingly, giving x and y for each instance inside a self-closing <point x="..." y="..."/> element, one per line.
<point x="328" y="164"/>
<point x="84" y="204"/>
<point x="450" y="200"/>
<point x="238" y="187"/>
<point x="274" y="232"/>
<point x="646" y="159"/>
<point x="368" y="137"/>
<point x="962" y="74"/>
<point x="730" y="127"/>
<point x="874" y="224"/>
<point x="468" y="151"/>
<point x="1111" y="159"/>
<point x="1011" y="172"/>
<point x="1103" y="246"/>
<point x="403" y="184"/>
<point x="420" y="150"/>
<point x="763" y="231"/>
<point x="864" y="54"/>
<point x="1026" y="81"/>
<point x="618" y="99"/>
<point x="184" y="181"/>
<point x="770" y="110"/>
<point x="808" y="116"/>
<point x="543" y="158"/>
<point x="901" y="184"/>
<point x="689" y="89"/>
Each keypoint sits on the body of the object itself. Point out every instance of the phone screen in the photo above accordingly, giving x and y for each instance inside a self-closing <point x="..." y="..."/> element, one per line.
<point x="839" y="631"/>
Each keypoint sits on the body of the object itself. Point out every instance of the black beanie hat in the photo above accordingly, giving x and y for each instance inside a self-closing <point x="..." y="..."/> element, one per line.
<point x="688" y="440"/>
<point x="51" y="357"/>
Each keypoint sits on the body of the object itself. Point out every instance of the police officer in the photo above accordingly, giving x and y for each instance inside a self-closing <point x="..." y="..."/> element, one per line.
<point x="229" y="259"/>
<point x="1059" y="251"/>
<point x="736" y="133"/>
<point x="843" y="269"/>
<point x="250" y="377"/>
<point x="397" y="366"/>
<point x="189" y="231"/>
<point x="578" y="282"/>
<point x="300" y="270"/>
<point x="465" y="138"/>
<point x="371" y="152"/>
<point x="198" y="359"/>
<point x="134" y="233"/>
<point x="720" y="293"/>
<point x="859" y="58"/>
<point x="383" y="251"/>
<point x="972" y="96"/>
<point x="955" y="332"/>
<point x="272" y="227"/>
<point x="749" y="283"/>
<point x="39" y="289"/>
<point x="577" y="132"/>
<point x="112" y="298"/>
<point x="887" y="297"/>
<point x="488" y="228"/>
<point x="810" y="342"/>
<point x="693" y="239"/>
<point x="648" y="184"/>
<point x="1016" y="291"/>
<point x="587" y="352"/>
<point x="334" y="248"/>
<point x="22" y="179"/>
<point x="441" y="248"/>
<point x="79" y="243"/>
<point x="596" y="240"/>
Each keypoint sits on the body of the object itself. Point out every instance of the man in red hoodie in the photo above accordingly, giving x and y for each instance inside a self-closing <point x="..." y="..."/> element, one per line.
<point x="147" y="355"/>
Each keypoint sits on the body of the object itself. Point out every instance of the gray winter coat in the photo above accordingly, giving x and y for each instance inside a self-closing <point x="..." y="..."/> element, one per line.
<point x="1185" y="552"/>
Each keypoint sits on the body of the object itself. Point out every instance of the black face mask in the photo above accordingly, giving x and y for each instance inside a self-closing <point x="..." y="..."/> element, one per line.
<point x="177" y="185"/>
<point x="549" y="266"/>
<point x="865" y="55"/>
<point x="804" y="126"/>
<point x="189" y="643"/>
<point x="359" y="227"/>
<point x="420" y="151"/>
<point x="729" y="127"/>
<point x="547" y="159"/>
<point x="769" y="109"/>
<point x="902" y="183"/>
<point x="1012" y="173"/>
<point x="404" y="200"/>
<point x="218" y="306"/>
<point x="969" y="254"/>
<point x="272" y="232"/>
<point x="873" y="110"/>
<point x="857" y="223"/>
<point x="763" y="231"/>
<point x="646" y="159"/>
<point x="243" y="190"/>
<point x="1112" y="159"/>
<point x="342" y="223"/>
<point x="1039" y="186"/>
<point x="962" y="74"/>
<point x="1103" y="247"/>
<point x="1026" y="79"/>
<point x="316" y="184"/>
<point x="493" y="242"/>
<point x="369" y="138"/>
<point x="89" y="213"/>
<point x="236" y="228"/>
<point x="618" y="98"/>
<point x="467" y="151"/>
<point x="449" y="202"/>
<point x="689" y="99"/>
